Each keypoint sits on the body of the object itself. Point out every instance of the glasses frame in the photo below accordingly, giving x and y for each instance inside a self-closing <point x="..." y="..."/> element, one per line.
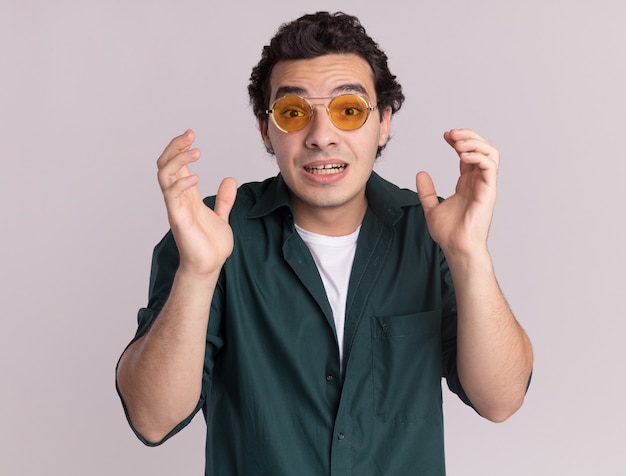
<point x="369" y="107"/>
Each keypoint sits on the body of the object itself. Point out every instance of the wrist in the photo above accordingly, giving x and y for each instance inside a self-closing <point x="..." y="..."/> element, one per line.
<point x="471" y="263"/>
<point x="192" y="276"/>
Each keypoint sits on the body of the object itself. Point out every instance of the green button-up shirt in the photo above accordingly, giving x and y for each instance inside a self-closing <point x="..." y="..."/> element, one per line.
<point x="275" y="397"/>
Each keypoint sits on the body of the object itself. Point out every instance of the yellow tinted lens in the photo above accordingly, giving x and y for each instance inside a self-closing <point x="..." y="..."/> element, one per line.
<point x="348" y="112"/>
<point x="292" y="113"/>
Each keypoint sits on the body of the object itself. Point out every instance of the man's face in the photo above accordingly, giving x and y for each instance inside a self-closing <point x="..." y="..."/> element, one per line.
<point x="323" y="166"/>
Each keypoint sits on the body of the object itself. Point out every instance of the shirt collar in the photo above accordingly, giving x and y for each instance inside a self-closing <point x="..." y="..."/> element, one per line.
<point x="385" y="199"/>
<point x="273" y="197"/>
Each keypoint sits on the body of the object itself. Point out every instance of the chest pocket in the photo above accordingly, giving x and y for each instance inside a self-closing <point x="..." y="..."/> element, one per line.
<point x="406" y="366"/>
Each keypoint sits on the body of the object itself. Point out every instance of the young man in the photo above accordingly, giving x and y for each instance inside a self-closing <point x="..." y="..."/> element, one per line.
<point x="312" y="316"/>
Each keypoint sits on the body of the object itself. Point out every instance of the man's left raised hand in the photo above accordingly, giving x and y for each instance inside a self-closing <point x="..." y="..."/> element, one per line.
<point x="460" y="224"/>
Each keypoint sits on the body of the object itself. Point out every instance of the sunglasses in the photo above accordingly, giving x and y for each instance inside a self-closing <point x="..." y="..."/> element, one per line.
<point x="347" y="112"/>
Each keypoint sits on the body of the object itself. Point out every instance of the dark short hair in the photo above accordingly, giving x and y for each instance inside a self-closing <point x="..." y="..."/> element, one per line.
<point x="316" y="35"/>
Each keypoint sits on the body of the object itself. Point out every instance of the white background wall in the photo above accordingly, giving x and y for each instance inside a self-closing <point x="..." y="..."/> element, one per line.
<point x="91" y="92"/>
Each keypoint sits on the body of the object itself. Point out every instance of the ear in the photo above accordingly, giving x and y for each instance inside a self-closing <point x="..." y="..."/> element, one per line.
<point x="385" y="126"/>
<point x="263" y="125"/>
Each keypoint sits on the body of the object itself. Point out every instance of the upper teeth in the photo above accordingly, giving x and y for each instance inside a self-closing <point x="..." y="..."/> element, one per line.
<point x="327" y="166"/>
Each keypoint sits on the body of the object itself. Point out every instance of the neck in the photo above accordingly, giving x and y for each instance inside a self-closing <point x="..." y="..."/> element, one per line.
<point x="330" y="221"/>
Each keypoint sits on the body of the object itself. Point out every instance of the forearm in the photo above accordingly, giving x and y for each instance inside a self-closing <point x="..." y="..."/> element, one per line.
<point x="495" y="356"/>
<point x="160" y="375"/>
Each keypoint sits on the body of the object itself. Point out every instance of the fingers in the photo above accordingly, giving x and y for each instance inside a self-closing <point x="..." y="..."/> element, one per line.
<point x="173" y="163"/>
<point x="472" y="148"/>
<point x="177" y="145"/>
<point x="179" y="185"/>
<point x="426" y="191"/>
<point x="456" y="135"/>
<point x="174" y="193"/>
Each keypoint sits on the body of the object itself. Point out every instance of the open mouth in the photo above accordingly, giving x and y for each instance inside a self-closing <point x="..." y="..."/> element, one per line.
<point x="326" y="169"/>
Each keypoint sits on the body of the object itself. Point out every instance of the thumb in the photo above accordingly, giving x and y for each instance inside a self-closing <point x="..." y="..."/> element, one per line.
<point x="226" y="194"/>
<point x="426" y="191"/>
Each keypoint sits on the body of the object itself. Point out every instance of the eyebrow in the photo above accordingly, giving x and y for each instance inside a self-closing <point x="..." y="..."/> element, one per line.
<point x="341" y="89"/>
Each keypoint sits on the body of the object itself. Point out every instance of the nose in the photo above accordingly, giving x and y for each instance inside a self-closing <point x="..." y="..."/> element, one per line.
<point x="321" y="133"/>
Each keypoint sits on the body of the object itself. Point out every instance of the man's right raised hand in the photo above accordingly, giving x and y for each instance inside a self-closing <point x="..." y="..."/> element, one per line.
<point x="203" y="236"/>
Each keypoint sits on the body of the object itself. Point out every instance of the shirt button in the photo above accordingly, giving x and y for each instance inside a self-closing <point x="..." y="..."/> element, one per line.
<point x="330" y="378"/>
<point x="341" y="436"/>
